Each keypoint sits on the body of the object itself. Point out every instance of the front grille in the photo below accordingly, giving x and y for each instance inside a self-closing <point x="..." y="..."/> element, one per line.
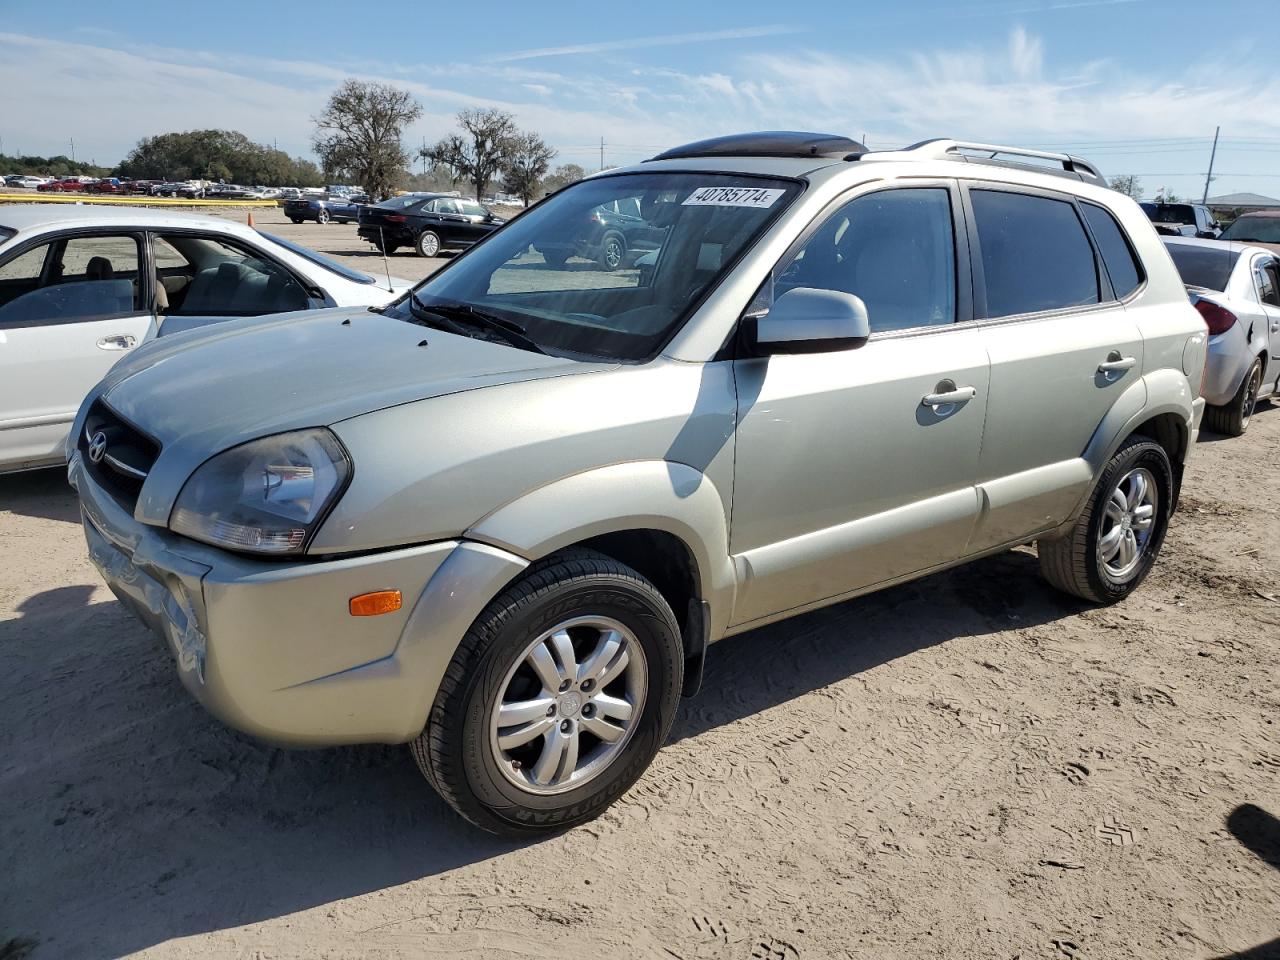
<point x="127" y="457"/>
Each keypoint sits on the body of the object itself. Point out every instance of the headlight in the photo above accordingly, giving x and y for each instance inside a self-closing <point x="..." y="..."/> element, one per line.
<point x="265" y="496"/>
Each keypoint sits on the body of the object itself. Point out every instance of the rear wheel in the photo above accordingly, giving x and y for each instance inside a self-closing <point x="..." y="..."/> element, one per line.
<point x="613" y="250"/>
<point x="1233" y="419"/>
<point x="1117" y="538"/>
<point x="557" y="699"/>
<point x="428" y="244"/>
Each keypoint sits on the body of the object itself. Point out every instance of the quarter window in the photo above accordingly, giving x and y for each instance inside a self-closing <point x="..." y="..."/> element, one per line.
<point x="1117" y="255"/>
<point x="1265" y="276"/>
<point x="894" y="249"/>
<point x="1035" y="253"/>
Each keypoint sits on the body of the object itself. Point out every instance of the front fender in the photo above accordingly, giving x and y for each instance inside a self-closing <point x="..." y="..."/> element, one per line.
<point x="639" y="495"/>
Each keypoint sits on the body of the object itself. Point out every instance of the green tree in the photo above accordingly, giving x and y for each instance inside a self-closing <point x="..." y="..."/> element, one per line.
<point x="215" y="155"/>
<point x="562" y="176"/>
<point x="526" y="166"/>
<point x="360" y="134"/>
<point x="1128" y="184"/>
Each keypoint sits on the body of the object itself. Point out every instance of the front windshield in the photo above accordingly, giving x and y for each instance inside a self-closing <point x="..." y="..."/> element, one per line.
<point x="1261" y="229"/>
<point x="581" y="278"/>
<point x="307" y="253"/>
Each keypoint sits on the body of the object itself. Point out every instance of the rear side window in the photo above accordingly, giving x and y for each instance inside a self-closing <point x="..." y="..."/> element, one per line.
<point x="1117" y="255"/>
<point x="1265" y="278"/>
<point x="1035" y="253"/>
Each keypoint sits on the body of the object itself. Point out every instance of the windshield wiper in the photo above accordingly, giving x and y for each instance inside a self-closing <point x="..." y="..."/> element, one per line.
<point x="459" y="316"/>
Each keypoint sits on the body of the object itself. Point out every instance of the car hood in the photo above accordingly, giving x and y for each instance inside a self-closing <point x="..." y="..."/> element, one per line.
<point x="200" y="392"/>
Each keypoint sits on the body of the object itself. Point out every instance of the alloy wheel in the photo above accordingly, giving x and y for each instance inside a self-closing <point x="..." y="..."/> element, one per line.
<point x="1250" y="399"/>
<point x="1127" y="524"/>
<point x="569" y="705"/>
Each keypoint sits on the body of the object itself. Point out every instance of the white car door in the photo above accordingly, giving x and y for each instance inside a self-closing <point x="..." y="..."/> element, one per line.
<point x="70" y="308"/>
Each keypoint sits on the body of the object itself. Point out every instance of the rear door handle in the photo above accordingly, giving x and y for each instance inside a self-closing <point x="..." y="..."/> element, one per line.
<point x="119" y="341"/>
<point x="1116" y="364"/>
<point x="945" y="397"/>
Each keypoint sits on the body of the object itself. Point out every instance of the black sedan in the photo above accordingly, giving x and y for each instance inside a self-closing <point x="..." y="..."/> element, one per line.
<point x="428" y="222"/>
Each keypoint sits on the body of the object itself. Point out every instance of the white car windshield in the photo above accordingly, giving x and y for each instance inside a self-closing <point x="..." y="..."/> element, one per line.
<point x="576" y="276"/>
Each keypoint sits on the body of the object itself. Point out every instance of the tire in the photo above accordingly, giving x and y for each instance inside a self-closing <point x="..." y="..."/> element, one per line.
<point x="1076" y="562"/>
<point x="1232" y="420"/>
<point x="427" y="244"/>
<point x="555" y="258"/>
<point x="613" y="251"/>
<point x="296" y="219"/>
<point x="458" y="751"/>
<point x="322" y="217"/>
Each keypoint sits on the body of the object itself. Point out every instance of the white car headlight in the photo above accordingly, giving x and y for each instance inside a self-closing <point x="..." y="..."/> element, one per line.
<point x="265" y="496"/>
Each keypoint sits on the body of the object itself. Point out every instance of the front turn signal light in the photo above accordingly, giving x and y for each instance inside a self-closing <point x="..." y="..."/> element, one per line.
<point x="376" y="603"/>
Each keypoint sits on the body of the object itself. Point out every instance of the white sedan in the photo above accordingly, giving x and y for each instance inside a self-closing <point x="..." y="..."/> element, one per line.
<point x="80" y="286"/>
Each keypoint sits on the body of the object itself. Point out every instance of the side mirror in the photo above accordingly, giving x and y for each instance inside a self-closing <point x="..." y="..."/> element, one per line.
<point x="805" y="320"/>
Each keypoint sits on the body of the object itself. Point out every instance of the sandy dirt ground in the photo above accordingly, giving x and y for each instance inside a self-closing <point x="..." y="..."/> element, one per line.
<point x="969" y="766"/>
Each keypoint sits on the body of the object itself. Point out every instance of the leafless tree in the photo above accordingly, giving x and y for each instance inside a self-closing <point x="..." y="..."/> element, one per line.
<point x="481" y="151"/>
<point x="359" y="134"/>
<point x="527" y="165"/>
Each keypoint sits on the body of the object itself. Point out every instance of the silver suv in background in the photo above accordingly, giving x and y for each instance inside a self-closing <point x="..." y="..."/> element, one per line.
<point x="502" y="518"/>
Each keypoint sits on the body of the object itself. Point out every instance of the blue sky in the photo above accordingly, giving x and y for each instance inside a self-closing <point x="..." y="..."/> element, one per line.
<point x="1136" y="85"/>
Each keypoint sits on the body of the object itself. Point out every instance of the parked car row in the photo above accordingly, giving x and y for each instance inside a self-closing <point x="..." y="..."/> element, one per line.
<point x="189" y="189"/>
<point x="491" y="519"/>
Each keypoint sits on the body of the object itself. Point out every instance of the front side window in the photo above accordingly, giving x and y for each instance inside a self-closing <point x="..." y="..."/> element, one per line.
<point x="71" y="280"/>
<point x="1117" y="254"/>
<point x="894" y="249"/>
<point x="564" y="280"/>
<point x="1035" y="253"/>
<point x="203" y="276"/>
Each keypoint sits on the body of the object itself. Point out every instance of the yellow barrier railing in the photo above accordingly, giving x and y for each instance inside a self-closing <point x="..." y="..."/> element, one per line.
<point x="138" y="201"/>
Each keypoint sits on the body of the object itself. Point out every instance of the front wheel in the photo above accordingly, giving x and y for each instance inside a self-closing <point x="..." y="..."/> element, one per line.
<point x="557" y="698"/>
<point x="428" y="244"/>
<point x="322" y="217"/>
<point x="1117" y="537"/>
<point x="1232" y="420"/>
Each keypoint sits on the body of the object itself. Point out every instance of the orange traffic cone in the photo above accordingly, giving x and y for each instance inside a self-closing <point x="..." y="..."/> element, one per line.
<point x="251" y="219"/>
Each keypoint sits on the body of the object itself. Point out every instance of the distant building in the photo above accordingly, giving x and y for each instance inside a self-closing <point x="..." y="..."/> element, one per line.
<point x="1239" y="203"/>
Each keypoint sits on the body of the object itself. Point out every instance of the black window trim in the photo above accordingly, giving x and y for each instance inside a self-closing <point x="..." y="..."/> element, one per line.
<point x="1109" y="302"/>
<point x="146" y="295"/>
<point x="964" y="291"/>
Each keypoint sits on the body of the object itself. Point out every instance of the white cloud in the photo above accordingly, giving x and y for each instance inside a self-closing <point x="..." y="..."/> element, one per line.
<point x="638" y="43"/>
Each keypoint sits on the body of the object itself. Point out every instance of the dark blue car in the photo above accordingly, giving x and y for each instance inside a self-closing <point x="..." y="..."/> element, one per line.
<point x="342" y="209"/>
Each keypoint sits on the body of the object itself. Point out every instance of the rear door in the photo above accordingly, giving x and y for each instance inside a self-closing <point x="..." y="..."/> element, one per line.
<point x="71" y="307"/>
<point x="1061" y="345"/>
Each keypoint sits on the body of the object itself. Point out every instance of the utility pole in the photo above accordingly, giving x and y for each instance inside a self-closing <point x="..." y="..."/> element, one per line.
<point x="602" y="153"/>
<point x="73" y="149"/>
<point x="1209" y="176"/>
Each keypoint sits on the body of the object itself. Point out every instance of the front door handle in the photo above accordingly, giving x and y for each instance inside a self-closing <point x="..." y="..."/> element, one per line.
<point x="948" y="394"/>
<point x="1116" y="363"/>
<point x="119" y="341"/>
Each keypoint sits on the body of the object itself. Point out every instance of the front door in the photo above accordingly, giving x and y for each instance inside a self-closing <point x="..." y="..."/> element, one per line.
<point x="69" y="309"/>
<point x="858" y="467"/>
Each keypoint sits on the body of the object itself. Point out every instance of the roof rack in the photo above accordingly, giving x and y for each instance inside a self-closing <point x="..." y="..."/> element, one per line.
<point x="964" y="150"/>
<point x="769" y="143"/>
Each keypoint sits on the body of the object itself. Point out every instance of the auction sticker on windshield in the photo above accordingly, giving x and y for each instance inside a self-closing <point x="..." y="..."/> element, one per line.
<point x="732" y="197"/>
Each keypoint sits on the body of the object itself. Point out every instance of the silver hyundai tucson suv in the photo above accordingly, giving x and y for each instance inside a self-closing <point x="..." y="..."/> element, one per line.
<point x="502" y="518"/>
